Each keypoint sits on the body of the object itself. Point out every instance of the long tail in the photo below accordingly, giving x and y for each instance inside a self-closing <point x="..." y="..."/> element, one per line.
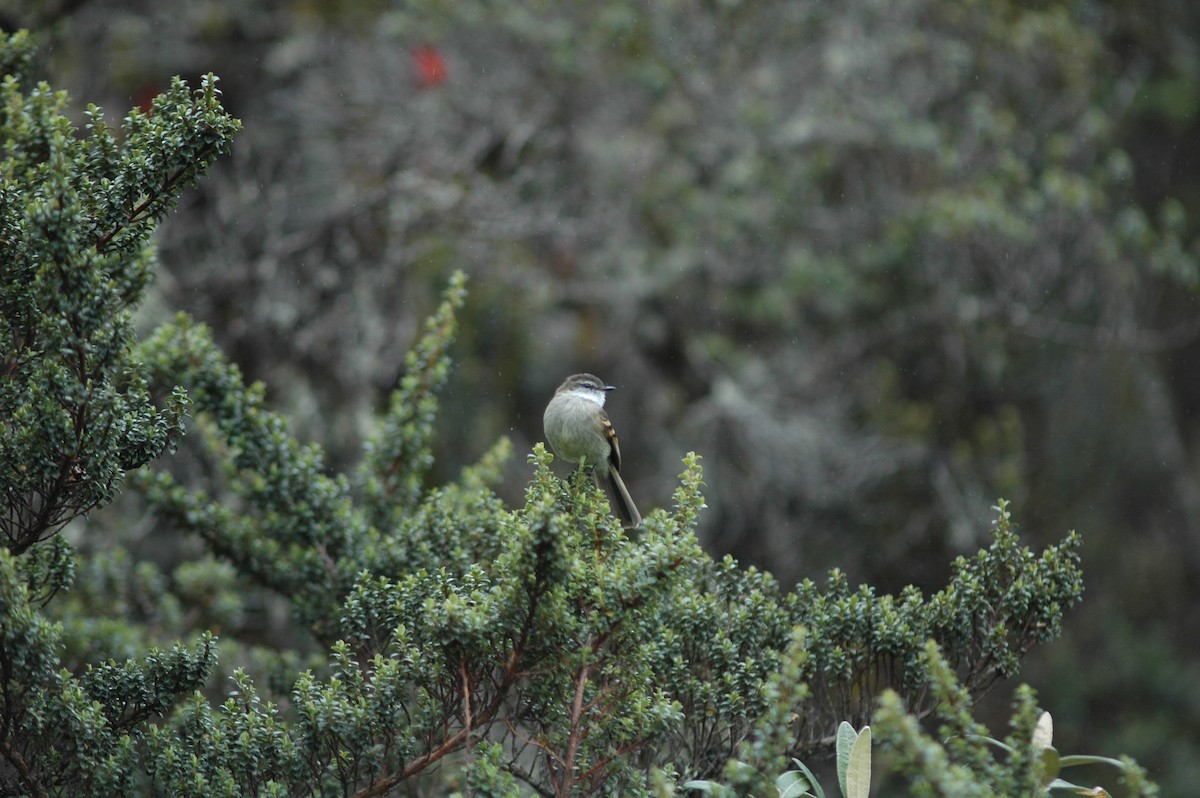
<point x="625" y="506"/>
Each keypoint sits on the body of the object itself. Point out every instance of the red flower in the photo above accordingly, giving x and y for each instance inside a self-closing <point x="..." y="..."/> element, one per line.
<point x="431" y="66"/>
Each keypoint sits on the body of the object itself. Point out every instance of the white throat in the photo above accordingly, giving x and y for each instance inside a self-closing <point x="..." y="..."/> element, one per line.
<point x="590" y="394"/>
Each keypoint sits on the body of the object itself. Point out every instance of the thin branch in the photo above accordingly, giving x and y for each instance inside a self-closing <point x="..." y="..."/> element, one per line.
<point x="164" y="190"/>
<point x="564" y="786"/>
<point x="462" y="737"/>
<point x="466" y="699"/>
<point x="23" y="770"/>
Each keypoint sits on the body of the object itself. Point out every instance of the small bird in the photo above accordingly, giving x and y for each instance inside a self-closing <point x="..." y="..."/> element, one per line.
<point x="578" y="430"/>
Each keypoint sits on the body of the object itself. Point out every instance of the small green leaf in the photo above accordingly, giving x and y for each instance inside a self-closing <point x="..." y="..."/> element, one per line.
<point x="1051" y="765"/>
<point x="1093" y="792"/>
<point x="812" y="780"/>
<point x="846" y="738"/>
<point x="792" y="784"/>
<point x="1074" y="760"/>
<point x="858" y="773"/>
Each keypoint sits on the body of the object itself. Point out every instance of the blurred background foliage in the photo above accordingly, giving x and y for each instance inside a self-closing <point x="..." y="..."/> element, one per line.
<point x="879" y="263"/>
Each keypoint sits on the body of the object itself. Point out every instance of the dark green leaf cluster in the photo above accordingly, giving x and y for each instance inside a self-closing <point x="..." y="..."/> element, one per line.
<point x="67" y="735"/>
<point x="295" y="532"/>
<point x="76" y="214"/>
<point x="295" y="528"/>
<point x="997" y="606"/>
<point x="727" y="634"/>
<point x="964" y="761"/>
<point x="119" y="606"/>
<point x="398" y="457"/>
<point x="547" y="649"/>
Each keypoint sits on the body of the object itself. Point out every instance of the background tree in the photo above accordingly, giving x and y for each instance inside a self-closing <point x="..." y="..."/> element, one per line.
<point x="880" y="265"/>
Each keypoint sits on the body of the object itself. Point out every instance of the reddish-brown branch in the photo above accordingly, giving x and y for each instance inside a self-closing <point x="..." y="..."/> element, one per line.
<point x="466" y="699"/>
<point x="22" y="767"/>
<point x="463" y="736"/>
<point x="576" y="735"/>
<point x="593" y="773"/>
<point x="384" y="785"/>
